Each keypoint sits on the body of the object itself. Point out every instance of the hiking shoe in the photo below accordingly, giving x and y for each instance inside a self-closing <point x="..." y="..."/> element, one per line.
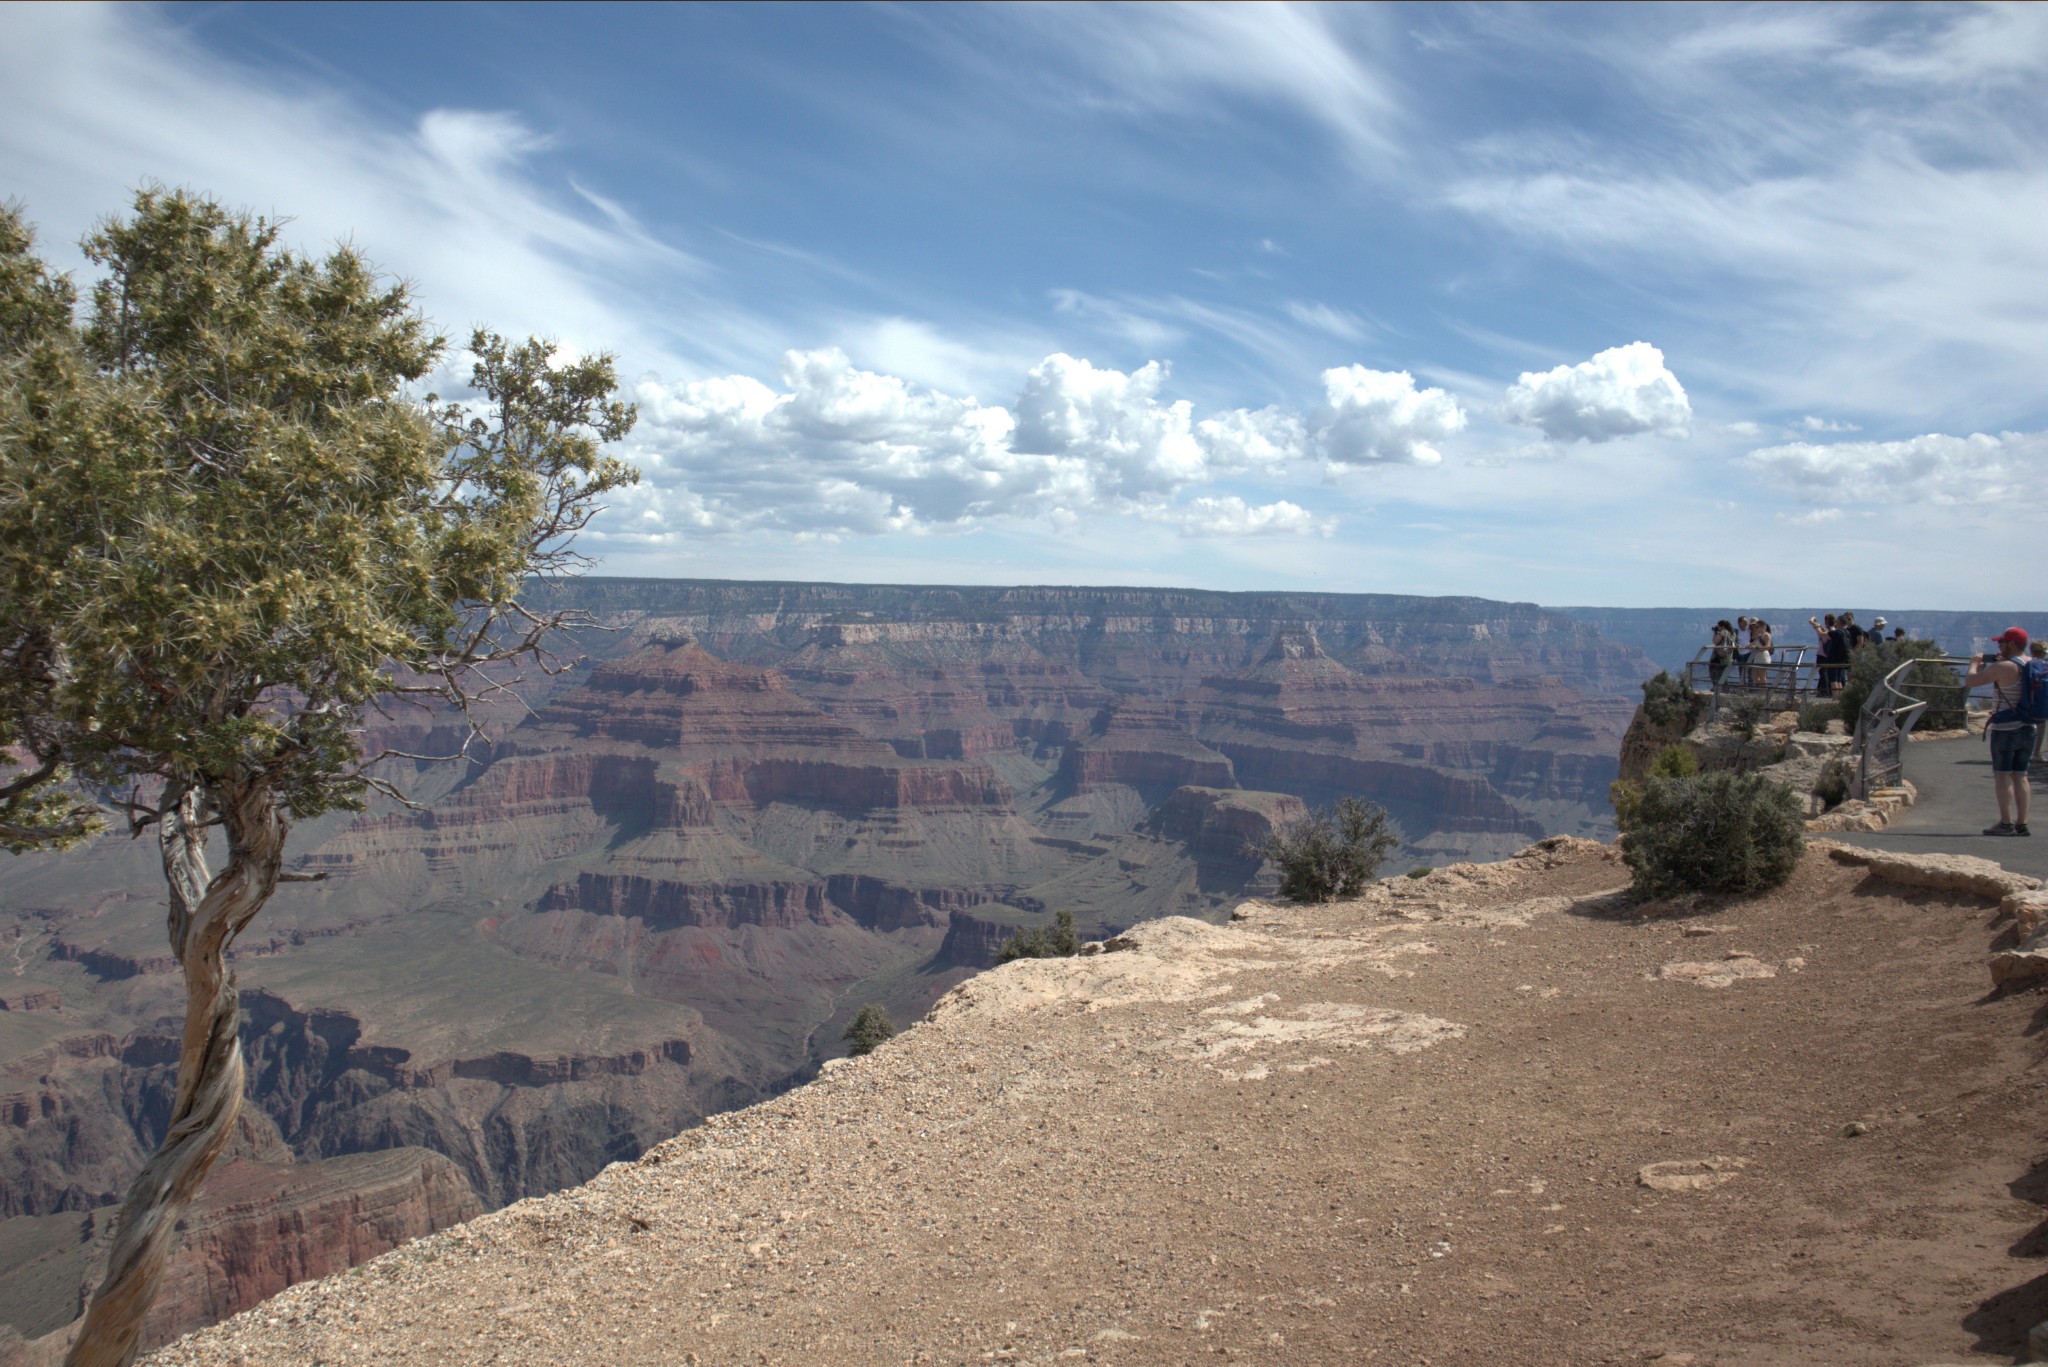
<point x="2002" y="828"/>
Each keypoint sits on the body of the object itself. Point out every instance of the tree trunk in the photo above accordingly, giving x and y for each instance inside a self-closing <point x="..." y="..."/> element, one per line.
<point x="206" y="914"/>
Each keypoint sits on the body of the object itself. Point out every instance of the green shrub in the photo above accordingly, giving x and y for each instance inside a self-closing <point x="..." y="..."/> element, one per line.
<point x="1675" y="761"/>
<point x="871" y="1025"/>
<point x="1670" y="703"/>
<point x="1934" y="684"/>
<point x="1419" y="871"/>
<point x="1722" y="832"/>
<point x="1624" y="796"/>
<point x="1815" y="715"/>
<point x="1333" y="852"/>
<point x="1060" y="943"/>
<point x="1746" y="715"/>
<point x="1833" y="787"/>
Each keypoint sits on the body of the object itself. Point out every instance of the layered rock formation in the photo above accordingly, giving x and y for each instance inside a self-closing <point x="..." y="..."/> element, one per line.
<point x="663" y="892"/>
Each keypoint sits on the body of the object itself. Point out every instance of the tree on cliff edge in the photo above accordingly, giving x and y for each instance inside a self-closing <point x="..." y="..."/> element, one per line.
<point x="227" y="531"/>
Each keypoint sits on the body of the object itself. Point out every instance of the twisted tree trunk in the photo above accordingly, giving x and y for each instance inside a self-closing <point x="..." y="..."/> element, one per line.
<point x="206" y="914"/>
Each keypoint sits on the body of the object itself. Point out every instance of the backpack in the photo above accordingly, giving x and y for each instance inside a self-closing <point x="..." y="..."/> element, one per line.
<point x="2033" y="699"/>
<point x="2034" y="691"/>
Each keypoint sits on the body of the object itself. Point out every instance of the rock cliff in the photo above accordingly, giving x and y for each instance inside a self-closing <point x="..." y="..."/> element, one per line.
<point x="663" y="891"/>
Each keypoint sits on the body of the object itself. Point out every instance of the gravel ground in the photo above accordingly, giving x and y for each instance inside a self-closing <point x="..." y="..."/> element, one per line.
<point x="1415" y="1128"/>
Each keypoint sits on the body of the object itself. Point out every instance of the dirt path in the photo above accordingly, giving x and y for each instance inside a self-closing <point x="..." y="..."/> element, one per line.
<point x="1405" y="1130"/>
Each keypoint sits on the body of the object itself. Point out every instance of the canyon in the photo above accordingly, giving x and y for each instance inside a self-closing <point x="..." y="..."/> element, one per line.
<point x="682" y="864"/>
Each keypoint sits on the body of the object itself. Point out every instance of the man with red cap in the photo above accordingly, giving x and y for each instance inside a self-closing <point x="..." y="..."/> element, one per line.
<point x="2010" y="732"/>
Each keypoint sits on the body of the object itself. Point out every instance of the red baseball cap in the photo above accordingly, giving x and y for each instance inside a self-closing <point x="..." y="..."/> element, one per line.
<point x="2014" y="636"/>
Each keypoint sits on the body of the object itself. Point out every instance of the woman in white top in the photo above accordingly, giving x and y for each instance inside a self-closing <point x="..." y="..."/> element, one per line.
<point x="1759" y="652"/>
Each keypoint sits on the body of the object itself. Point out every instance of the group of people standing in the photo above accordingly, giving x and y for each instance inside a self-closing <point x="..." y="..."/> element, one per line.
<point x="1840" y="636"/>
<point x="1747" y="644"/>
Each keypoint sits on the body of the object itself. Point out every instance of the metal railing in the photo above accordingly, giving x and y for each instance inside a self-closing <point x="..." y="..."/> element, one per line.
<point x="1898" y="704"/>
<point x="1789" y="680"/>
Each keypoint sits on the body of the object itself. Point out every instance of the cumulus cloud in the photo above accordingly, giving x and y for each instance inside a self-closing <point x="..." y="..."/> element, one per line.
<point x="1372" y="417"/>
<point x="1933" y="468"/>
<point x="1624" y="391"/>
<point x="1232" y="516"/>
<point x="1112" y="421"/>
<point x="835" y="450"/>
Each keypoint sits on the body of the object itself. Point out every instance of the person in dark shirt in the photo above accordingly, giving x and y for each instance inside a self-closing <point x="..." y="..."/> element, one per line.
<point x="1853" y="635"/>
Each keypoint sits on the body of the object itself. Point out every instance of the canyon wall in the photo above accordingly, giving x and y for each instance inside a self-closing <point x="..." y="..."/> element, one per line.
<point x="663" y="889"/>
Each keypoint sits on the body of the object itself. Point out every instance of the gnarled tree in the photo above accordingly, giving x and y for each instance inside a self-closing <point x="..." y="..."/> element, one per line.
<point x="228" y="532"/>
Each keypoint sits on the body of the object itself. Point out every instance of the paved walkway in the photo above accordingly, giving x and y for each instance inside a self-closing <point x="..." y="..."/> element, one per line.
<point x="1955" y="803"/>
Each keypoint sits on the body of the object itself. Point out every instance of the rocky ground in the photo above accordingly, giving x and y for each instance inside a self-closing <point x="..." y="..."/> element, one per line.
<point x="1495" y="1114"/>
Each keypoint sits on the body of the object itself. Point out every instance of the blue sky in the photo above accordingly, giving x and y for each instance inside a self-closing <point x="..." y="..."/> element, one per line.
<point x="1607" y="304"/>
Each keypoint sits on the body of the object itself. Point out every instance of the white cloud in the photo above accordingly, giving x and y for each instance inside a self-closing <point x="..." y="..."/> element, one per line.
<point x="1624" y="391"/>
<point x="836" y="450"/>
<point x="1132" y="443"/>
<point x="1336" y="322"/>
<point x="1232" y="516"/>
<point x="1928" y="469"/>
<point x="1810" y="423"/>
<point x="1247" y="439"/>
<point x="1372" y="417"/>
<point x="1813" y="517"/>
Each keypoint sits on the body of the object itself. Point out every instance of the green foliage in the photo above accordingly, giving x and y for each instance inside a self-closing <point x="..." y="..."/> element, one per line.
<point x="1720" y="832"/>
<point x="1674" y="761"/>
<point x="1060" y="943"/>
<point x="1624" y="796"/>
<point x="1746" y="715"/>
<point x="870" y="1026"/>
<point x="1419" y="871"/>
<point x="1934" y="684"/>
<point x="1333" y="852"/>
<point x="1833" y="787"/>
<point x="228" y="526"/>
<point x="1815" y="715"/>
<point x="1670" y="705"/>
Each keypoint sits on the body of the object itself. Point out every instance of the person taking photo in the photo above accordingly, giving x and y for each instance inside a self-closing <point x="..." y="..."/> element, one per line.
<point x="2010" y="732"/>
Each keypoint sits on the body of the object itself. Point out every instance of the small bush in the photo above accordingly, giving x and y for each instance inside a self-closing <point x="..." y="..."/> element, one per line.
<point x="1833" y="788"/>
<point x="1815" y="715"/>
<point x="1675" y="761"/>
<point x="1419" y="871"/>
<point x="1722" y="832"/>
<point x="871" y="1025"/>
<point x="1746" y="715"/>
<point x="1060" y="943"/>
<point x="1333" y="852"/>
<point x="1670" y="703"/>
<point x="1624" y="796"/>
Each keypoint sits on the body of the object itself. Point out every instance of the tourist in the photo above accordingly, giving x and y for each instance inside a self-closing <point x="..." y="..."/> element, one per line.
<point x="1745" y="628"/>
<point x="2011" y="735"/>
<point x="1834" y="654"/>
<point x="1759" y="653"/>
<point x="1823" y="679"/>
<point x="1723" y="653"/>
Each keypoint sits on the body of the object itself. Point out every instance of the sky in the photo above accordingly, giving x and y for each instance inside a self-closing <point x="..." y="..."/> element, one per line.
<point x="1610" y="304"/>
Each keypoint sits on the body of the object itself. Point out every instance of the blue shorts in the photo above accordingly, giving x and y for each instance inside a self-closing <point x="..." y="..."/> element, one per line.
<point x="2012" y="751"/>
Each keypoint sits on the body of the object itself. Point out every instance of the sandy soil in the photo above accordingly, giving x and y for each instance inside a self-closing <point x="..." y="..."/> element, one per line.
<point x="1410" y="1129"/>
